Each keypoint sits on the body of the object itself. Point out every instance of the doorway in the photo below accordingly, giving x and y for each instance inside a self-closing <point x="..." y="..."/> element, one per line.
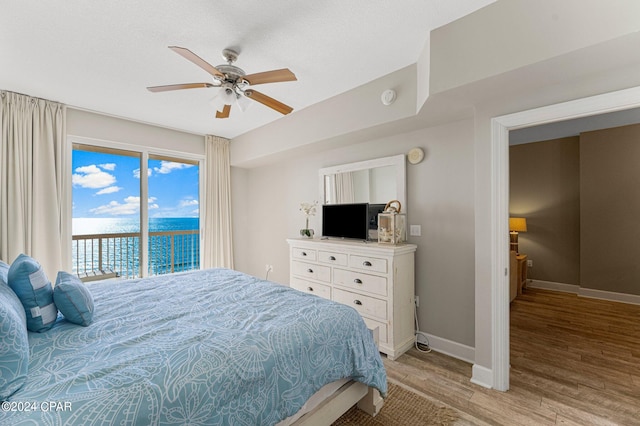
<point x="500" y="127"/>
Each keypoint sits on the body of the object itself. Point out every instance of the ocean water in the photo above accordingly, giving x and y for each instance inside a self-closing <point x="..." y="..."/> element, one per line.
<point x="91" y="225"/>
<point x="166" y="253"/>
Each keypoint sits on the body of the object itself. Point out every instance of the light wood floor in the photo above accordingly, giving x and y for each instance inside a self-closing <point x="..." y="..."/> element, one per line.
<point x="574" y="361"/>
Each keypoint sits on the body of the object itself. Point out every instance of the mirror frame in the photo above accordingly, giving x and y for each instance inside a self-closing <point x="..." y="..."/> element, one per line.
<point x="397" y="160"/>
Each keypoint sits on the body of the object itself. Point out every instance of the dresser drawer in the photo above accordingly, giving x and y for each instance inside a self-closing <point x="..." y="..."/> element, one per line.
<point x="332" y="258"/>
<point x="311" y="270"/>
<point x="364" y="304"/>
<point x="361" y="281"/>
<point x="303" y="253"/>
<point x="373" y="264"/>
<point x="382" y="329"/>
<point x="311" y="288"/>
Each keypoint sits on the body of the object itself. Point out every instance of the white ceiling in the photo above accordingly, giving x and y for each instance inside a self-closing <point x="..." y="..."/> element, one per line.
<point x="101" y="55"/>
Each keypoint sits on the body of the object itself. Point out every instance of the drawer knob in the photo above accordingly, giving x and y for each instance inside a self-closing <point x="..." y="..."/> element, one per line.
<point x="357" y="302"/>
<point x="332" y="258"/>
<point x="304" y="253"/>
<point x="357" y="281"/>
<point x="310" y="288"/>
<point x="366" y="263"/>
<point x="310" y="271"/>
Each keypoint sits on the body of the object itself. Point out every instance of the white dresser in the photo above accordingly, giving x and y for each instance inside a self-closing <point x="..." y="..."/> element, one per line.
<point x="377" y="280"/>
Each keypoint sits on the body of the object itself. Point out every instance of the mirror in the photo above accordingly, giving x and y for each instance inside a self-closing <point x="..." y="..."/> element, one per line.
<point x="375" y="181"/>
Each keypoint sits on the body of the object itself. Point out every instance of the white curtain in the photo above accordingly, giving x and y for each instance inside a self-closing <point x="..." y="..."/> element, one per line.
<point x="345" y="192"/>
<point x="218" y="242"/>
<point x="33" y="159"/>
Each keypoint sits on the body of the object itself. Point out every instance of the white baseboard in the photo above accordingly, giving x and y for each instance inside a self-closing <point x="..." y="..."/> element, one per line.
<point x="633" y="299"/>
<point x="482" y="376"/>
<point x="611" y="296"/>
<point x="549" y="285"/>
<point x="451" y="348"/>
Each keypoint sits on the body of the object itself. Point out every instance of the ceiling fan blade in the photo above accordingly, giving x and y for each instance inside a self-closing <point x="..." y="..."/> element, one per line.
<point x="224" y="113"/>
<point x="179" y="87"/>
<point x="190" y="56"/>
<point x="274" y="76"/>
<point x="268" y="101"/>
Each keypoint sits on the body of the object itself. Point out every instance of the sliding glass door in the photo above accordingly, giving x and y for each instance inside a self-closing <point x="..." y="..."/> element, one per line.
<point x="134" y="213"/>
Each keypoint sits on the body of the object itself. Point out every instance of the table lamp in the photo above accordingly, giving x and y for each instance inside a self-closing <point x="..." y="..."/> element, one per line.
<point x="516" y="224"/>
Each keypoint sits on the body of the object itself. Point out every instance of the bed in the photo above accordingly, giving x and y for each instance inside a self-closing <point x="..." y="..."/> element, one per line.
<point x="205" y="347"/>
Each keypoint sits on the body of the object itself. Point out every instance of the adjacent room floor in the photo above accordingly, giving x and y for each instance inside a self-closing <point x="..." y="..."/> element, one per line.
<point x="574" y="361"/>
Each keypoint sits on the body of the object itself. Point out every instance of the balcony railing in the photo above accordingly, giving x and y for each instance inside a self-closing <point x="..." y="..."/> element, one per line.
<point x="99" y="256"/>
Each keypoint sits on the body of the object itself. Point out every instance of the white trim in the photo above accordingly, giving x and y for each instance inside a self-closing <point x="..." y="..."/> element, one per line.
<point x="550" y="285"/>
<point x="482" y="376"/>
<point x="451" y="348"/>
<point x="632" y="299"/>
<point x="611" y="296"/>
<point x="599" y="104"/>
<point x="500" y="259"/>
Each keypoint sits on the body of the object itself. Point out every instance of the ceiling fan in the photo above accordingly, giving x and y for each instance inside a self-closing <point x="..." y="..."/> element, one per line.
<point x="236" y="85"/>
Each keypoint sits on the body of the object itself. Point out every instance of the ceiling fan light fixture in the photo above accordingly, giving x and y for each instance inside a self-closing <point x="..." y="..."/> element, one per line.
<point x="243" y="102"/>
<point x="235" y="84"/>
<point x="225" y="96"/>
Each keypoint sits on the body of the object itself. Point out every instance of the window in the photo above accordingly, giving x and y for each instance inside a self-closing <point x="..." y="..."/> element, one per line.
<point x="114" y="192"/>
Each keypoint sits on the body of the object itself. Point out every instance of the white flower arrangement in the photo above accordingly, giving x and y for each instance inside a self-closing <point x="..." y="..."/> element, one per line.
<point x="309" y="209"/>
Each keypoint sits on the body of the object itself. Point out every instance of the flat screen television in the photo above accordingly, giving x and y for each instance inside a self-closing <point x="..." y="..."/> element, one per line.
<point x="346" y="220"/>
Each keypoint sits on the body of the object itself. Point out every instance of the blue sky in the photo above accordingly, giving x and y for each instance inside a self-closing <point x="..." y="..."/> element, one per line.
<point x="108" y="185"/>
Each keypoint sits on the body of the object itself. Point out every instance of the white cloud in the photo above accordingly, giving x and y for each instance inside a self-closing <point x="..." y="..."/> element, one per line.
<point x="109" y="190"/>
<point x="167" y="167"/>
<point x="187" y="203"/>
<point x="108" y="166"/>
<point x="136" y="173"/>
<point x="131" y="205"/>
<point x="92" y="177"/>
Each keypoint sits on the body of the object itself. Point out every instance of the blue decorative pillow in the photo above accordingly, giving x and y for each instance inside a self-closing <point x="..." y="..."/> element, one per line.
<point x="73" y="299"/>
<point x="33" y="288"/>
<point x="14" y="350"/>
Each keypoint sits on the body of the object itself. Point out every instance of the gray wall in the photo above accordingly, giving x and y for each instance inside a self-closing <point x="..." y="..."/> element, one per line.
<point x="610" y="208"/>
<point x="580" y="196"/>
<point x="439" y="198"/>
<point x="104" y="127"/>
<point x="544" y="187"/>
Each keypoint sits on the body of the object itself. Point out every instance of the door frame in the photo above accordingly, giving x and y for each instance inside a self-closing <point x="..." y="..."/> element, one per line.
<point x="500" y="127"/>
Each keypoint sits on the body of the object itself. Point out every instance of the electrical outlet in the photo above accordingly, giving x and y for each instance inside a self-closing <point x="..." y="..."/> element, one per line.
<point x="415" y="230"/>
<point x="416" y="300"/>
<point x="530" y="263"/>
<point x="268" y="268"/>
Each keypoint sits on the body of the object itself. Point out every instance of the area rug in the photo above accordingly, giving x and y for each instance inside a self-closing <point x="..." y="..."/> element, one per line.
<point x="401" y="408"/>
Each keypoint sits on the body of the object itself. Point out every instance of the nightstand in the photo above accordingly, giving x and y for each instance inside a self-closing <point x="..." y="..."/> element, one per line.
<point x="521" y="277"/>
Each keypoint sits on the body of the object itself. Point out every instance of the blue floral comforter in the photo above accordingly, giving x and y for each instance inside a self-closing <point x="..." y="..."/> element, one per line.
<point x="207" y="347"/>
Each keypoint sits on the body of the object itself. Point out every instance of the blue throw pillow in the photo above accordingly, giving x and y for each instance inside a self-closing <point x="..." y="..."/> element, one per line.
<point x="14" y="350"/>
<point x="73" y="299"/>
<point x="33" y="288"/>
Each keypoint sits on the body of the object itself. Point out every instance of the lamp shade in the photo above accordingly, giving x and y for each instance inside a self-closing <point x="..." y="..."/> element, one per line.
<point x="225" y="96"/>
<point x="517" y="224"/>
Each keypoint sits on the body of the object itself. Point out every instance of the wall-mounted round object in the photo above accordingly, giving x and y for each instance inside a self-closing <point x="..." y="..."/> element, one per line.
<point x="388" y="97"/>
<point x="415" y="155"/>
